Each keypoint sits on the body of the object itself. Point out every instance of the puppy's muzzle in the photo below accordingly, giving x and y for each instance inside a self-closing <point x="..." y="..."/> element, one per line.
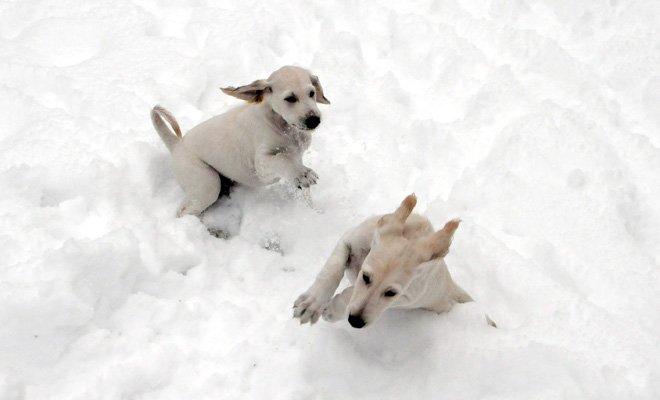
<point x="312" y="122"/>
<point x="356" y="321"/>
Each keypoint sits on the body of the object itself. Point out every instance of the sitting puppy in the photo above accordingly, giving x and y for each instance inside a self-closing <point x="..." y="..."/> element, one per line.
<point x="393" y="261"/>
<point x="255" y="144"/>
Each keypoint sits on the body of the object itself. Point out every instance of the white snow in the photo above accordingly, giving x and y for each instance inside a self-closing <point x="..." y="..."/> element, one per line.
<point x="535" y="122"/>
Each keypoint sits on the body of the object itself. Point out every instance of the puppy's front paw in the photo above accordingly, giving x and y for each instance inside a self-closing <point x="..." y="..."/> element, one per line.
<point x="308" y="308"/>
<point x="306" y="179"/>
<point x="332" y="314"/>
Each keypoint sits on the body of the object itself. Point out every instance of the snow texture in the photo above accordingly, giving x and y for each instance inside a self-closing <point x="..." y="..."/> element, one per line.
<point x="537" y="122"/>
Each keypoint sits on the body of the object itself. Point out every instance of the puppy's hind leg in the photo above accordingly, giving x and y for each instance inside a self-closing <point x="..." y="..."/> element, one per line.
<point x="463" y="297"/>
<point x="200" y="182"/>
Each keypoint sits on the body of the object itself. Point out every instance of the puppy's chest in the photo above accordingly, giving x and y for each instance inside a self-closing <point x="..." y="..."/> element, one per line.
<point x="292" y="142"/>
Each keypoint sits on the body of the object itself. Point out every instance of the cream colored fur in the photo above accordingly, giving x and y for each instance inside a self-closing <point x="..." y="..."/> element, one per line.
<point x="254" y="144"/>
<point x="392" y="261"/>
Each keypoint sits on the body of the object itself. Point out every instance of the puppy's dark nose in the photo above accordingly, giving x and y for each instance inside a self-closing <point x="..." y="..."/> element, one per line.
<point x="356" y="321"/>
<point x="312" y="122"/>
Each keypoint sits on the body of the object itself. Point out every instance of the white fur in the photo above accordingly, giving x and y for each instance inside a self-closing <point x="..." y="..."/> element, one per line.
<point x="254" y="144"/>
<point x="399" y="252"/>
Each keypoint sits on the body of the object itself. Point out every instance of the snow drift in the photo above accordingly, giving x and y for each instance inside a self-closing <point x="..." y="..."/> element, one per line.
<point x="535" y="122"/>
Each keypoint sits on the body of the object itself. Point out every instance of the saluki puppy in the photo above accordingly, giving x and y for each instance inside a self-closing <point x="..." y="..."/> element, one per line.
<point x="254" y="144"/>
<point x="392" y="261"/>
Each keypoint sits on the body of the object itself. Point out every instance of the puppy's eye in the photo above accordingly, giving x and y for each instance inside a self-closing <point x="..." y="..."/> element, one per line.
<point x="389" y="293"/>
<point x="366" y="279"/>
<point x="291" y="99"/>
<point x="311" y="94"/>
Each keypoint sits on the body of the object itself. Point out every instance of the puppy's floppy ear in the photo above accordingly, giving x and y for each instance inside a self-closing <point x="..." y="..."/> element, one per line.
<point x="405" y="209"/>
<point x="254" y="92"/>
<point x="393" y="223"/>
<point x="438" y="243"/>
<point x="320" y="98"/>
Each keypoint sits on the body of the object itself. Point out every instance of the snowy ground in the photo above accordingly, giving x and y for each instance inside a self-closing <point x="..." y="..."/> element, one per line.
<point x="536" y="122"/>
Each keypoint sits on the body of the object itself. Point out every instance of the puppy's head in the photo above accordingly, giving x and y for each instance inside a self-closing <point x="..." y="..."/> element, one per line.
<point x="291" y="92"/>
<point x="392" y="263"/>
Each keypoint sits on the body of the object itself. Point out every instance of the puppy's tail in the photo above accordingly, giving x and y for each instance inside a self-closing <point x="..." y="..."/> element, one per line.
<point x="158" y="117"/>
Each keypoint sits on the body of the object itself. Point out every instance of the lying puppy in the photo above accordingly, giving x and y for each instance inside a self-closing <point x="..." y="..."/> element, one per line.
<point x="393" y="261"/>
<point x="255" y="144"/>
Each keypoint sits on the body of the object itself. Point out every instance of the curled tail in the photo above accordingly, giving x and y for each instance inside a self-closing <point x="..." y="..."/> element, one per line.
<point x="158" y="117"/>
